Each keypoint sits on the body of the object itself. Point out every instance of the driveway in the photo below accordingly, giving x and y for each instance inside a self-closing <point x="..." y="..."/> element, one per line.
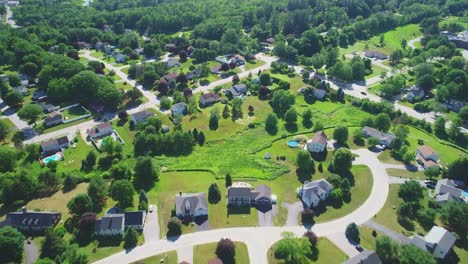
<point x="201" y="223"/>
<point x="30" y="252"/>
<point x="151" y="228"/>
<point x="388" y="232"/>
<point x="294" y="210"/>
<point x="266" y="216"/>
<point x="185" y="254"/>
<point x="400" y="180"/>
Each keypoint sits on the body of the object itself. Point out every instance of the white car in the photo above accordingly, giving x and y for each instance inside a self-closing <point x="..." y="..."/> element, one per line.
<point x="150" y="209"/>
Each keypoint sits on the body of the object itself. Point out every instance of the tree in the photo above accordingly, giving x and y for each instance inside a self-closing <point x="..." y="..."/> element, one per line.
<point x="290" y="117"/>
<point x="123" y="115"/>
<point x="98" y="191"/>
<point x="8" y="156"/>
<point x="110" y="146"/>
<point x="352" y="233"/>
<point x="4" y="131"/>
<point x="307" y="216"/>
<point x="122" y="192"/>
<point x="305" y="164"/>
<point x="312" y="237"/>
<point x="165" y="103"/>
<point x="226" y="250"/>
<point x="454" y="215"/>
<point x="271" y="124"/>
<point x="214" y="194"/>
<point x="411" y="254"/>
<point x="340" y="134"/>
<point x="213" y="122"/>
<point x="387" y="249"/>
<point x="86" y="224"/>
<point x="30" y="112"/>
<point x="307" y="118"/>
<point x="457" y="169"/>
<point x="11" y="241"/>
<point x="439" y="127"/>
<point x="408" y="157"/>
<point x="120" y="171"/>
<point x="224" y="67"/>
<point x="358" y="137"/>
<point x="53" y="245"/>
<point x="146" y="173"/>
<point x="235" y="79"/>
<point x="80" y="204"/>
<point x="130" y="238"/>
<point x="432" y="172"/>
<point x="373" y="141"/>
<point x="236" y="109"/>
<point x="342" y="161"/>
<point x="174" y="226"/>
<point x="264" y="79"/>
<point x="14" y="99"/>
<point x="282" y="101"/>
<point x="383" y="122"/>
<point x="292" y="249"/>
<point x="91" y="158"/>
<point x="411" y="191"/>
<point x="201" y="138"/>
<point x="401" y="132"/>
<point x="228" y="181"/>
<point x="226" y="113"/>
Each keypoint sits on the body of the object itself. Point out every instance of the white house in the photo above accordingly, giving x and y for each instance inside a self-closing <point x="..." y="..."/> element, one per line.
<point x="437" y="242"/>
<point x="447" y="190"/>
<point x="191" y="205"/>
<point x="385" y="138"/>
<point x="135" y="220"/>
<point x="110" y="225"/>
<point x="100" y="130"/>
<point x="55" y="145"/>
<point x="311" y="193"/>
<point x="318" y="143"/>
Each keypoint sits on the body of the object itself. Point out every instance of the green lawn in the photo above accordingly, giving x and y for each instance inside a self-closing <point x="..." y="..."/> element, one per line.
<point x="253" y="64"/>
<point x="206" y="252"/>
<point x="97" y="54"/>
<point x="328" y="253"/>
<point x="40" y="127"/>
<point x="168" y="257"/>
<point x="418" y="175"/>
<point x="74" y="112"/>
<point x="392" y="40"/>
<point x="74" y="156"/>
<point x="376" y="71"/>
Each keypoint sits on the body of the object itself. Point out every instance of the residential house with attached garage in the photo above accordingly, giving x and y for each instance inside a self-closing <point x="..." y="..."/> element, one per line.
<point x="385" y="138"/>
<point x="179" y="109"/>
<point x="447" y="190"/>
<point x="318" y="143"/>
<point x="171" y="63"/>
<point x="110" y="225"/>
<point x="22" y="90"/>
<point x="100" y="130"/>
<point x="438" y="242"/>
<point x="191" y="205"/>
<point x="108" y="49"/>
<point x="311" y="193"/>
<point x="427" y="157"/>
<point x="242" y="194"/>
<point x="170" y="76"/>
<point x="120" y="58"/>
<point x="375" y="55"/>
<point x="415" y="93"/>
<point x="55" y="145"/>
<point x="54" y="119"/>
<point x="236" y="90"/>
<point x="49" y="108"/>
<point x="140" y="117"/>
<point x="215" y="69"/>
<point x="209" y="99"/>
<point x="365" y="257"/>
<point x="454" y="105"/>
<point x="135" y="220"/>
<point x="32" y="221"/>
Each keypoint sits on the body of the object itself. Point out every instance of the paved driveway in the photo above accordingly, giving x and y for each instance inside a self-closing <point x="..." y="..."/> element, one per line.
<point x="266" y="216"/>
<point x="388" y="232"/>
<point x="30" y="252"/>
<point x="293" y="211"/>
<point x="151" y="228"/>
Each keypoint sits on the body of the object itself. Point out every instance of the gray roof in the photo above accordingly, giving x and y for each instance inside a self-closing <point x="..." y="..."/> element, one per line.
<point x="142" y="115"/>
<point x="53" y="118"/>
<point x="445" y="186"/>
<point x="319" y="93"/>
<point x="191" y="202"/>
<point x="110" y="222"/>
<point x="365" y="257"/>
<point x="419" y="241"/>
<point x="372" y="132"/>
<point x="440" y="236"/>
<point x="237" y="89"/>
<point x="263" y="190"/>
<point x="32" y="218"/>
<point x="134" y="218"/>
<point x="179" y="107"/>
<point x="63" y="140"/>
<point x="240" y="192"/>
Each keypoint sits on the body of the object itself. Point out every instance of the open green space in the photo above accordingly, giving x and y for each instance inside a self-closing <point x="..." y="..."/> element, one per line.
<point x="454" y="19"/>
<point x="206" y="252"/>
<point x="99" y="250"/>
<point x="392" y="40"/>
<point x="376" y="71"/>
<point x="166" y="258"/>
<point x="417" y="175"/>
<point x="73" y="112"/>
<point x="328" y="253"/>
<point x="252" y="64"/>
<point x="97" y="54"/>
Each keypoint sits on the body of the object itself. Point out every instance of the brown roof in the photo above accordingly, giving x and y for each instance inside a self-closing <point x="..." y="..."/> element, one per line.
<point x="426" y="150"/>
<point x="320" y="137"/>
<point x="103" y="125"/>
<point x="426" y="163"/>
<point x="170" y="76"/>
<point x="210" y="95"/>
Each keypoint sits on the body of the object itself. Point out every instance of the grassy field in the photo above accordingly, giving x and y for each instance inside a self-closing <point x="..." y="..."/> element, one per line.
<point x="328" y="254"/>
<point x="418" y="175"/>
<point x="168" y="257"/>
<point x="253" y="64"/>
<point x="392" y="40"/>
<point x="74" y="112"/>
<point x="206" y="252"/>
<point x="376" y="71"/>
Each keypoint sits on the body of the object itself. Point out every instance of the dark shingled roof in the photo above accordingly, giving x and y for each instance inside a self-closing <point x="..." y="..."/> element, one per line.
<point x="63" y="140"/>
<point x="142" y="115"/>
<point x="134" y="218"/>
<point x="32" y="219"/>
<point x="113" y="221"/>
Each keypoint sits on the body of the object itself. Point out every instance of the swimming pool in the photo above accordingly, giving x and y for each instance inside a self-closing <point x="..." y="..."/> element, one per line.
<point x="55" y="157"/>
<point x="293" y="143"/>
<point x="465" y="193"/>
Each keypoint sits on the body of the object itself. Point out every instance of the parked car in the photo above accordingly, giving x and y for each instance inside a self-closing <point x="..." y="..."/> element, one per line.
<point x="363" y="93"/>
<point x="359" y="248"/>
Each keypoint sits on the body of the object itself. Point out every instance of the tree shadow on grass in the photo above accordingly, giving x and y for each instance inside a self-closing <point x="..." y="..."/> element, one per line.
<point x="234" y="210"/>
<point x="291" y="128"/>
<point x="321" y="156"/>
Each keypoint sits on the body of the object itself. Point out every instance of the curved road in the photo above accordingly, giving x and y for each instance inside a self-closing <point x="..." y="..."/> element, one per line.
<point x="260" y="239"/>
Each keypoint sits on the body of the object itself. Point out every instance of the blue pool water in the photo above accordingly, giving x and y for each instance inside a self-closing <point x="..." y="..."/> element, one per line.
<point x="465" y="193"/>
<point x="293" y="143"/>
<point x="55" y="157"/>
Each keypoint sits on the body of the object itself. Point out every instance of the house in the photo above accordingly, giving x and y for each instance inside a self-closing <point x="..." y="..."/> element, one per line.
<point x="437" y="242"/>
<point x="100" y="130"/>
<point x="135" y="220"/>
<point x="120" y="58"/>
<point x="427" y="157"/>
<point x="170" y="47"/>
<point x="415" y="93"/>
<point x="140" y="117"/>
<point x="22" y="90"/>
<point x="454" y="105"/>
<point x="54" y="119"/>
<point x="97" y="107"/>
<point x="108" y="49"/>
<point x="32" y="221"/>
<point x="460" y="40"/>
<point x="191" y="205"/>
<point x="318" y="143"/>
<point x="83" y="45"/>
<point x="311" y="193"/>
<point x="106" y="28"/>
<point x="49" y="108"/>
<point x="215" y="69"/>
<point x="99" y="46"/>
<point x="55" y="145"/>
<point x="171" y="63"/>
<point x="110" y="225"/>
<point x="319" y="93"/>
<point x="447" y="190"/>
<point x="209" y="99"/>
<point x="190" y="50"/>
<point x="236" y="90"/>
<point x="37" y="94"/>
<point x="269" y="40"/>
<point x="241" y="194"/>
<point x="179" y="109"/>
<point x="375" y="55"/>
<point x="385" y="138"/>
<point x="365" y="257"/>
<point x="139" y="51"/>
<point x="170" y="76"/>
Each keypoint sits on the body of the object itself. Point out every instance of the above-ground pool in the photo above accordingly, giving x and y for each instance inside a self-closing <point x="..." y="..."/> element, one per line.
<point x="293" y="143"/>
<point x="56" y="157"/>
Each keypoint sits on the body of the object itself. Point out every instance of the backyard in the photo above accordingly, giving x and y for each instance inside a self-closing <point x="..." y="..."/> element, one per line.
<point x="204" y="253"/>
<point x="74" y="112"/>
